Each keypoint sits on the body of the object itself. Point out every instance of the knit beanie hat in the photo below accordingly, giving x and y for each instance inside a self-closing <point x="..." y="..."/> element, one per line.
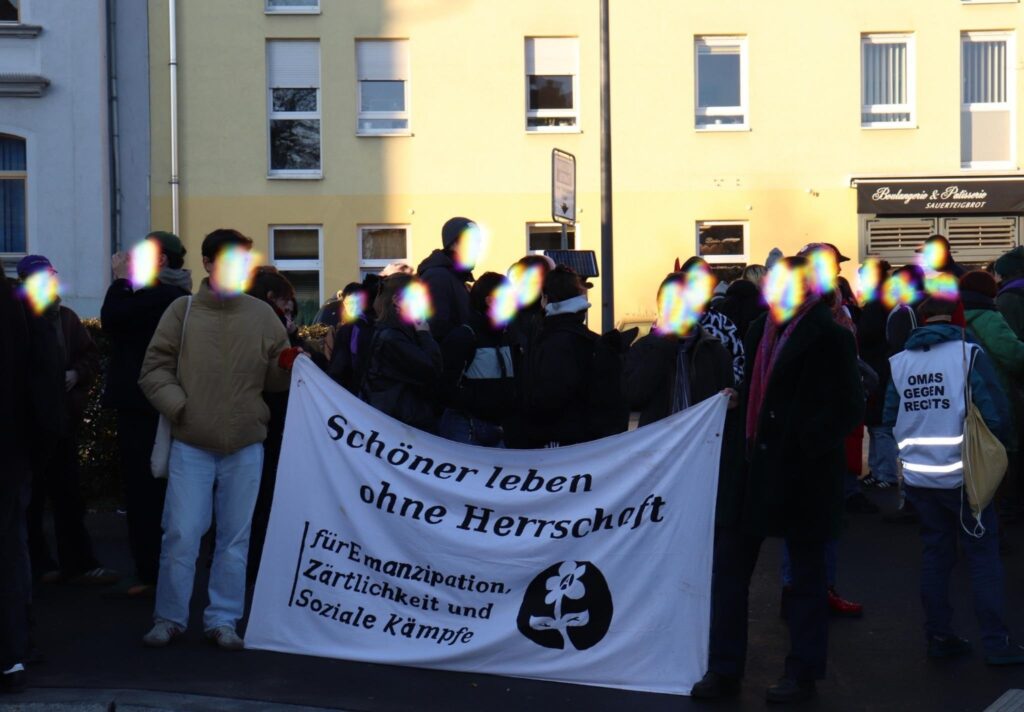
<point x="979" y="282"/>
<point x="1011" y="264"/>
<point x="452" y="231"/>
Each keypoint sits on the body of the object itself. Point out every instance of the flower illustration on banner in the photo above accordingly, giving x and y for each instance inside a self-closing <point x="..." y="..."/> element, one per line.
<point x="565" y="584"/>
<point x="567" y="606"/>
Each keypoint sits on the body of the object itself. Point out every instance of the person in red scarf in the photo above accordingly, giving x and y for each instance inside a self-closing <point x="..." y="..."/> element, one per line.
<point x="803" y="394"/>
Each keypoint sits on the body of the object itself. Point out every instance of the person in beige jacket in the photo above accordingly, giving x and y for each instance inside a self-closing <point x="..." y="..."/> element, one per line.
<point x="210" y="360"/>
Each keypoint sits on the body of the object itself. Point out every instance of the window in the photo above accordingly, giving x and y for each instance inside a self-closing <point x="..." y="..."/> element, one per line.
<point x="12" y="194"/>
<point x="986" y="112"/>
<point x="380" y="245"/>
<point x="887" y="81"/>
<point x="552" y="84"/>
<point x="293" y="89"/>
<point x="286" y="7"/>
<point x="9" y="10"/>
<point x="548" y="236"/>
<point x="721" y="83"/>
<point x="295" y="251"/>
<point x="383" y="67"/>
<point x="722" y="242"/>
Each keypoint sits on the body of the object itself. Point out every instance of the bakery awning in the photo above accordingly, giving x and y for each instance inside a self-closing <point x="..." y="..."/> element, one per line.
<point x="940" y="196"/>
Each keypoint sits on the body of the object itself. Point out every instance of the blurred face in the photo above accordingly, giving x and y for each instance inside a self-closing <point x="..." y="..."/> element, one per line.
<point x="823" y="270"/>
<point x="869" y="278"/>
<point x="144" y="262"/>
<point x="527" y="283"/>
<point x="502" y="305"/>
<point x="899" y="289"/>
<point x="413" y="303"/>
<point x="785" y="290"/>
<point x="41" y="289"/>
<point x="942" y="285"/>
<point x="469" y="247"/>
<point x="231" y="271"/>
<point x="353" y="307"/>
<point x="935" y="256"/>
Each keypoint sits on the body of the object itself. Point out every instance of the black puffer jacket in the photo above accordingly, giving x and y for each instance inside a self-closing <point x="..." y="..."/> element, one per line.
<point x="448" y="292"/>
<point x="742" y="303"/>
<point x="479" y="371"/>
<point x="351" y="355"/>
<point x="874" y="351"/>
<point x="129" y="319"/>
<point x="403" y="375"/>
<point x="15" y="357"/>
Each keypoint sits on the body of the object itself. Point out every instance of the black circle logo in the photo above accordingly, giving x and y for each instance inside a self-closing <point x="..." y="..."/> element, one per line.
<point x="568" y="605"/>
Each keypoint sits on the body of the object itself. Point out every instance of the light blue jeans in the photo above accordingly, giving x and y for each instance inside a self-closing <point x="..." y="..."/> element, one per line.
<point x="201" y="485"/>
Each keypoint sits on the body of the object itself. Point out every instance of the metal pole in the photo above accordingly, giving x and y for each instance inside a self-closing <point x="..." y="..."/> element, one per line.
<point x="607" y="262"/>
<point x="173" y="64"/>
<point x="565" y="237"/>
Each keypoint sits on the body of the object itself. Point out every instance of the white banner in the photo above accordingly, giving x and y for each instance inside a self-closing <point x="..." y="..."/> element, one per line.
<point x="588" y="564"/>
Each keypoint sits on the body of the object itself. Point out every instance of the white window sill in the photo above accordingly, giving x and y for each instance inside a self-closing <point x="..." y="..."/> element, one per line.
<point x="293" y="11"/>
<point x="989" y="166"/>
<point x="295" y="176"/>
<point x="724" y="128"/>
<point x="383" y="134"/>
<point x="556" y="130"/>
<point x="888" y="127"/>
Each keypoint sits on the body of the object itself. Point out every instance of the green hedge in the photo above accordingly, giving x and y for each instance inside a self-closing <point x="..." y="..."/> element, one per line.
<point x="97" y="438"/>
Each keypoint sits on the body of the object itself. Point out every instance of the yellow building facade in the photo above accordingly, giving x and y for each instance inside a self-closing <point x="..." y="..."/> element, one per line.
<point x="341" y="134"/>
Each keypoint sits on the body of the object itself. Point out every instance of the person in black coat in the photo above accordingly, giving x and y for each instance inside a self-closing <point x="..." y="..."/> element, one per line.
<point x="15" y="483"/>
<point x="874" y="351"/>
<point x="129" y="317"/>
<point x="574" y="391"/>
<point x="352" y="338"/>
<point x="478" y="387"/>
<point x="446" y="273"/>
<point x="405" y="361"/>
<point x="742" y="302"/>
<point x="802" y="395"/>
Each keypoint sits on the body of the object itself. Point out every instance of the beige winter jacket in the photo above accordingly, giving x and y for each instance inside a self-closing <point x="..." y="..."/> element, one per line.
<point x="229" y="358"/>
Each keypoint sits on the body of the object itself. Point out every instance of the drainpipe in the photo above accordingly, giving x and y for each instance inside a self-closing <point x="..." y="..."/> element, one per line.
<point x="172" y="6"/>
<point x="607" y="261"/>
<point x="113" y="128"/>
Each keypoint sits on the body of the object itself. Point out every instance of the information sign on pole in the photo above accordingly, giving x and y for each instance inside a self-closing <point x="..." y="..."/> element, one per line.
<point x="563" y="187"/>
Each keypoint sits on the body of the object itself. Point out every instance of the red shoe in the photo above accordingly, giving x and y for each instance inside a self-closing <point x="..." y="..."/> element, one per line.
<point x="841" y="608"/>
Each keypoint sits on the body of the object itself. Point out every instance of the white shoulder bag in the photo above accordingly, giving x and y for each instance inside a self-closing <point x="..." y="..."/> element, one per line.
<point x="160" y="458"/>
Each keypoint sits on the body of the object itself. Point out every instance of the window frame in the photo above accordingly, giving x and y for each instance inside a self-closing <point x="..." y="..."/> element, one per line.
<point x="268" y="9"/>
<point x="384" y="115"/>
<point x="289" y="173"/>
<point x="21" y="175"/>
<point x="575" y="229"/>
<point x="743" y="258"/>
<point x="1010" y="105"/>
<point x="15" y="21"/>
<point x="374" y="266"/>
<point x="573" y="113"/>
<point x="744" y="108"/>
<point x="303" y="265"/>
<point x="910" y="107"/>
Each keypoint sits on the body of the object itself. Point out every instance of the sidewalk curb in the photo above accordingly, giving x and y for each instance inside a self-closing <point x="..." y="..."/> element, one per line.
<point x="41" y="699"/>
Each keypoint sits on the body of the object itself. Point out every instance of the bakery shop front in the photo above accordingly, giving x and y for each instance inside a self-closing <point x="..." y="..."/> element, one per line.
<point x="980" y="215"/>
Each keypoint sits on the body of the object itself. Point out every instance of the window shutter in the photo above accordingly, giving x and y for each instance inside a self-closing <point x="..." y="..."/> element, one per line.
<point x="885" y="73"/>
<point x="382" y="60"/>
<point x="552" y="55"/>
<point x="293" y="64"/>
<point x="979" y="239"/>
<point x="984" y="68"/>
<point x="896" y="239"/>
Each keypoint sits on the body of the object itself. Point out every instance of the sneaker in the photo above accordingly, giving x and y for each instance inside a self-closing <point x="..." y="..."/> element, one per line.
<point x="96" y="577"/>
<point x="841" y="608"/>
<point x="1012" y="654"/>
<point x="714" y="686"/>
<point x="857" y="503"/>
<point x="948" y="646"/>
<point x="869" y="481"/>
<point x="786" y="691"/>
<point x="162" y="633"/>
<point x="13" y="680"/>
<point x="883" y="485"/>
<point x="225" y="638"/>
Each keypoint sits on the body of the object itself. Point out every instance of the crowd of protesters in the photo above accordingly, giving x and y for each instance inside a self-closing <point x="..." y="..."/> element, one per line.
<point x="509" y="360"/>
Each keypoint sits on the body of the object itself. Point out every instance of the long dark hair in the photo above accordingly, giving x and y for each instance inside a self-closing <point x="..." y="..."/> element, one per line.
<point x="391" y="287"/>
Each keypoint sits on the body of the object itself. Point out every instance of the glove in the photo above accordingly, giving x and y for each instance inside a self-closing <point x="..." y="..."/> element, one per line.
<point x="287" y="358"/>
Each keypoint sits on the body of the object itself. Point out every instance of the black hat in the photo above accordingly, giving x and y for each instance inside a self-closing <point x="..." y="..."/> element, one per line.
<point x="452" y="231"/>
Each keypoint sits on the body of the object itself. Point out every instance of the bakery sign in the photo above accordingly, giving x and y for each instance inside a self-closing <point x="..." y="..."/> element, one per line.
<point x="946" y="196"/>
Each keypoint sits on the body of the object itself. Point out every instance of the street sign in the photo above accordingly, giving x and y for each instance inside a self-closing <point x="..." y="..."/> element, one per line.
<point x="563" y="187"/>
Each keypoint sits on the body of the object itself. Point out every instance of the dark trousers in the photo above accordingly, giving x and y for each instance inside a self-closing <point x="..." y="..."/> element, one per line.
<point x="261" y="513"/>
<point x="940" y="514"/>
<point x="55" y="478"/>
<point x="143" y="493"/>
<point x="16" y="578"/>
<point x="735" y="558"/>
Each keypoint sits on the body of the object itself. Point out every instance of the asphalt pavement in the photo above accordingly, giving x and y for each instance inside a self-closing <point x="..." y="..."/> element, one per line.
<point x="876" y="663"/>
